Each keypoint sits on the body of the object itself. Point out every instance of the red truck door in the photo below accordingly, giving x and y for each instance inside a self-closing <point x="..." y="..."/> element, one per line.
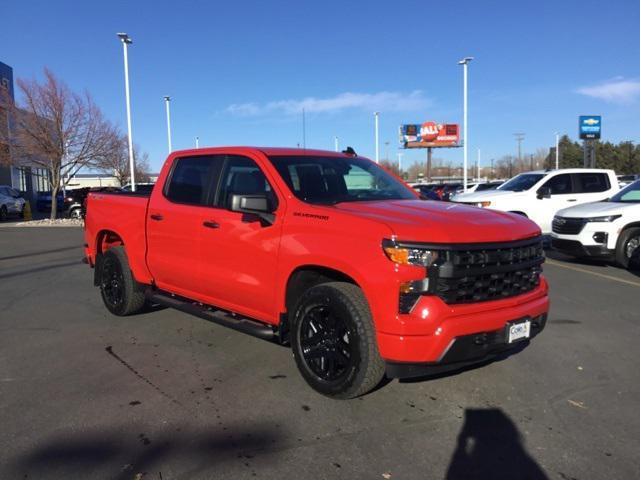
<point x="176" y="216"/>
<point x="240" y="253"/>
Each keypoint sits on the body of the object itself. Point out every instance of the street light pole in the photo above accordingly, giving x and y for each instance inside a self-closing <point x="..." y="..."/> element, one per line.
<point x="465" y="64"/>
<point x="400" y="162"/>
<point x="376" y="116"/>
<point x="335" y="143"/>
<point x="167" y="99"/>
<point x="478" y="166"/>
<point x="557" y="151"/>
<point x="197" y="142"/>
<point x="126" y="41"/>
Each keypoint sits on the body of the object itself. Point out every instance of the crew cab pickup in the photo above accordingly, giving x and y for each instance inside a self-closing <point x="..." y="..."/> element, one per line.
<point x="538" y="195"/>
<point x="327" y="252"/>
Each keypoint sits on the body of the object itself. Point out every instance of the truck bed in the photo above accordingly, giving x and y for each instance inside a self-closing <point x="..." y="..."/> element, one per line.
<point x="122" y="212"/>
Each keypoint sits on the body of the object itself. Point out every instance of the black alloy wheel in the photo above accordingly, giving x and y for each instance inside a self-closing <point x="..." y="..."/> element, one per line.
<point x="325" y="341"/>
<point x="334" y="342"/>
<point x="112" y="284"/>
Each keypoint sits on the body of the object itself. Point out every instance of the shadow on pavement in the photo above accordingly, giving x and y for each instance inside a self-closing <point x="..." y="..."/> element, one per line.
<point x="43" y="268"/>
<point x="490" y="446"/>
<point x="43" y="252"/>
<point x="121" y="456"/>
<point x="560" y="257"/>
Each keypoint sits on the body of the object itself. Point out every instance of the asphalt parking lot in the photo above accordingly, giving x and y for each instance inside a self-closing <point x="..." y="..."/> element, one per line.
<point x="163" y="395"/>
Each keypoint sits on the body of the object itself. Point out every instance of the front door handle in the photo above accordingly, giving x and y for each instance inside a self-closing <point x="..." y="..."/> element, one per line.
<point x="156" y="217"/>
<point x="572" y="200"/>
<point x="210" y="224"/>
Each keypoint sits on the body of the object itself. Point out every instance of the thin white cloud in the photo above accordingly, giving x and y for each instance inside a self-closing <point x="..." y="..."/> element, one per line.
<point x="381" y="101"/>
<point x="616" y="90"/>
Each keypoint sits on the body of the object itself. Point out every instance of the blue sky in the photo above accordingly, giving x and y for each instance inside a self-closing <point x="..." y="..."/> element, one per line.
<point x="240" y="72"/>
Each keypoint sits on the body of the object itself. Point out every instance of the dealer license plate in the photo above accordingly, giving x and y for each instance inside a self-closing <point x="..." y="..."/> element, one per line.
<point x="518" y="331"/>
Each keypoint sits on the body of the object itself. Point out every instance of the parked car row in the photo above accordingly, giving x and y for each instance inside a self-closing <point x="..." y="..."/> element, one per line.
<point x="446" y="191"/>
<point x="11" y="202"/>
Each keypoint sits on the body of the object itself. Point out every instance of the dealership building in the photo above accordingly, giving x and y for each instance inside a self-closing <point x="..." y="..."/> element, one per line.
<point x="27" y="179"/>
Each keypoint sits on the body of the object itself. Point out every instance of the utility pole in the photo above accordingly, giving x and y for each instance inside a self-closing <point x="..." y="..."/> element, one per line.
<point x="519" y="138"/>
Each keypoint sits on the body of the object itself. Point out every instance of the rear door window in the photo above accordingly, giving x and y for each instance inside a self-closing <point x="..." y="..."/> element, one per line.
<point x="192" y="179"/>
<point x="593" y="182"/>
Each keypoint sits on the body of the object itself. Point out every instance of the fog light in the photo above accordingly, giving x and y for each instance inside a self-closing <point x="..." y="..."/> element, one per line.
<point x="410" y="293"/>
<point x="600" y="237"/>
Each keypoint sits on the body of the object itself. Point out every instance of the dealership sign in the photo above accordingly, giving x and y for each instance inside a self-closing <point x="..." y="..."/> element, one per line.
<point x="590" y="126"/>
<point x="429" y="134"/>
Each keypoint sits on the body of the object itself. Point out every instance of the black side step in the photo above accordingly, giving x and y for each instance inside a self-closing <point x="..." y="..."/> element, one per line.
<point x="221" y="317"/>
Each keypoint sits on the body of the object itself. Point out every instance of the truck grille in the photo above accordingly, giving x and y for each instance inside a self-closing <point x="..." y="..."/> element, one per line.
<point x="482" y="272"/>
<point x="567" y="226"/>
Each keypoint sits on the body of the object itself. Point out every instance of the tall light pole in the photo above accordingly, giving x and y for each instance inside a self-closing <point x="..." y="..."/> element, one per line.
<point x="465" y="65"/>
<point x="478" y="166"/>
<point x="400" y="162"/>
<point x="197" y="142"/>
<point x="557" y="150"/>
<point x="126" y="41"/>
<point x="335" y="144"/>
<point x="376" y="117"/>
<point x="167" y="99"/>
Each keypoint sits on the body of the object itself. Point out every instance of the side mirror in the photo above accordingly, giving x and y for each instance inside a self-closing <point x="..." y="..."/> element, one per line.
<point x="543" y="192"/>
<point x="253" y="204"/>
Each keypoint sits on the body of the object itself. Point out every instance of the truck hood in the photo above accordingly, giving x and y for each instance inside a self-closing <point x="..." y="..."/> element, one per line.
<point x="488" y="195"/>
<point x="597" y="209"/>
<point x="443" y="222"/>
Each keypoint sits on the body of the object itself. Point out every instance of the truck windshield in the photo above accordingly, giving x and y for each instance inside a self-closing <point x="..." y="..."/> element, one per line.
<point x="331" y="180"/>
<point x="521" y="182"/>
<point x="629" y="194"/>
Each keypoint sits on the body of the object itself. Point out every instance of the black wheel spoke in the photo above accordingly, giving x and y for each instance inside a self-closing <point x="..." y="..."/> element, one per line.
<point x="324" y="341"/>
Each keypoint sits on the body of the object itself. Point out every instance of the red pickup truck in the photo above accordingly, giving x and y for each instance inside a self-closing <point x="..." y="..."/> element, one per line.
<point x="327" y="252"/>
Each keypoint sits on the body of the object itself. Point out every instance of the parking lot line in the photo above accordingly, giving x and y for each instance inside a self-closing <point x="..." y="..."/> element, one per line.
<point x="584" y="270"/>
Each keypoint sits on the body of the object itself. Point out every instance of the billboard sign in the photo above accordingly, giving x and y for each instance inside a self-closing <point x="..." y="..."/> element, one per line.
<point x="429" y="134"/>
<point x="590" y="126"/>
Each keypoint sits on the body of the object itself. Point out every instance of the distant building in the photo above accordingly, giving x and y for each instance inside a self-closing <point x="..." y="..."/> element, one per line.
<point x="28" y="180"/>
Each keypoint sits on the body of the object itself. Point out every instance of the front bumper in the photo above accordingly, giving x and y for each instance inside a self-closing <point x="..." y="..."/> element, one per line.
<point x="433" y="327"/>
<point x="467" y="350"/>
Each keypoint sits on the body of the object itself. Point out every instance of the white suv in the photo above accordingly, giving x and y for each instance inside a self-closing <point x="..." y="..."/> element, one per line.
<point x="538" y="195"/>
<point x="11" y="202"/>
<point x="608" y="229"/>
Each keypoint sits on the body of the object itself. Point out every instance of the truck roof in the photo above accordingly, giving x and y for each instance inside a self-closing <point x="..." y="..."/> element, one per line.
<point x="279" y="151"/>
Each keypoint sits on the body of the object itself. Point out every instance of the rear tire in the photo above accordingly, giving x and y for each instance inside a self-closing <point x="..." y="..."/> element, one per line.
<point x="120" y="292"/>
<point x="3" y="213"/>
<point x="334" y="341"/>
<point x="76" y="213"/>
<point x="628" y="243"/>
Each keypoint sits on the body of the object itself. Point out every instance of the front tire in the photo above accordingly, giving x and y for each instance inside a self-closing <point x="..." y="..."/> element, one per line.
<point x="628" y="243"/>
<point x="121" y="294"/>
<point x="334" y="342"/>
<point x="3" y="213"/>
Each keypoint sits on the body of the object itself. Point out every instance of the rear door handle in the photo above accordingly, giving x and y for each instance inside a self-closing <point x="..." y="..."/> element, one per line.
<point x="156" y="217"/>
<point x="210" y="224"/>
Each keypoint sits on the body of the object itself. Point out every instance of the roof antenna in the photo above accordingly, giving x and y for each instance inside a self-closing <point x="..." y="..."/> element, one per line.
<point x="350" y="151"/>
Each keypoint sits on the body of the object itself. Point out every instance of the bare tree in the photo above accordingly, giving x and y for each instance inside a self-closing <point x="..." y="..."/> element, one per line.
<point x="58" y="130"/>
<point x="116" y="162"/>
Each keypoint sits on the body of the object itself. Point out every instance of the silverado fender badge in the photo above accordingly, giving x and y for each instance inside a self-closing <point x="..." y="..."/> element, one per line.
<point x="310" y="215"/>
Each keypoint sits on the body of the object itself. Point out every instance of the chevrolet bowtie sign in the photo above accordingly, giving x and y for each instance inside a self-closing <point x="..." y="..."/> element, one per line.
<point x="590" y="126"/>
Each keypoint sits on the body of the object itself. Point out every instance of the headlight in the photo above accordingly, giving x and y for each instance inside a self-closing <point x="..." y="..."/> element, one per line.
<point x="483" y="204"/>
<point x="609" y="218"/>
<point x="405" y="255"/>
